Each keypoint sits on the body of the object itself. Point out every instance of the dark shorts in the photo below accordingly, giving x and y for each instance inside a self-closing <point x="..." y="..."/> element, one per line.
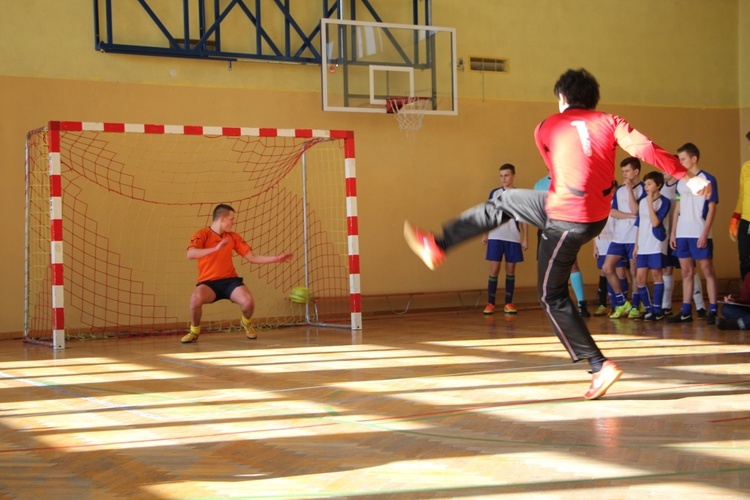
<point x="497" y="249"/>
<point x="224" y="287"/>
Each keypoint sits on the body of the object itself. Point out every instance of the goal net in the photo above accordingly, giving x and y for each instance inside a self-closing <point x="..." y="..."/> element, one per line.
<point x="111" y="208"/>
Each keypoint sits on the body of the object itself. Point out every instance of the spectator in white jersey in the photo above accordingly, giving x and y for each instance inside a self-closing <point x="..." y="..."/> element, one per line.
<point x="601" y="245"/>
<point x="651" y="244"/>
<point x="624" y="211"/>
<point x="691" y="235"/>
<point x="671" y="262"/>
<point x="507" y="240"/>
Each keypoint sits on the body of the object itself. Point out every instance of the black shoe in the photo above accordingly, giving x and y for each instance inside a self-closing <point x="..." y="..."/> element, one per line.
<point x="583" y="309"/>
<point x="667" y="311"/>
<point x="654" y="316"/>
<point x="680" y="318"/>
<point x="701" y="313"/>
<point x="711" y="318"/>
<point x="727" y="324"/>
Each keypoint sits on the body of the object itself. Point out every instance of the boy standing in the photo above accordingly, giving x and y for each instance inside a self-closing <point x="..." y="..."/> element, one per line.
<point x="691" y="234"/>
<point x="624" y="211"/>
<point x="508" y="240"/>
<point x="651" y="244"/>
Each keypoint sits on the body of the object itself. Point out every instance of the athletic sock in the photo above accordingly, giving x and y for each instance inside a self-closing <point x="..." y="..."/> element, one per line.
<point x="510" y="285"/>
<point x="687" y="309"/>
<point x="698" y="292"/>
<point x="195" y="330"/>
<point x="666" y="302"/>
<point x="645" y="297"/>
<point x="619" y="300"/>
<point x="596" y="362"/>
<point x="246" y="321"/>
<point x="601" y="291"/>
<point x="658" y="297"/>
<point x="635" y="299"/>
<point x="713" y="308"/>
<point x="612" y="296"/>
<point x="624" y="286"/>
<point x="576" y="281"/>
<point x="491" y="289"/>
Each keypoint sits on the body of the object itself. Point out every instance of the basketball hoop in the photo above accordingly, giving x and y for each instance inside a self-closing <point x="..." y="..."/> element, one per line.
<point x="409" y="111"/>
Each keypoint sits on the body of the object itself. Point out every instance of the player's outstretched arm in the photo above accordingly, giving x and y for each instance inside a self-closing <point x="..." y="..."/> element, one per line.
<point x="266" y="259"/>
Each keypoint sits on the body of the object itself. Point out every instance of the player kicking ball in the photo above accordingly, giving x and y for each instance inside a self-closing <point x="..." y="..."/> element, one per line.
<point x="577" y="145"/>
<point x="212" y="246"/>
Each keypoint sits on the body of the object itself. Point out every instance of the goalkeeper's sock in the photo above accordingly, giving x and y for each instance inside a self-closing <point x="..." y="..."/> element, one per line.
<point x="195" y="330"/>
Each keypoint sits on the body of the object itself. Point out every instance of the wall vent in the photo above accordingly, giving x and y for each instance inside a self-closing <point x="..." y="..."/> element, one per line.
<point x="488" y="64"/>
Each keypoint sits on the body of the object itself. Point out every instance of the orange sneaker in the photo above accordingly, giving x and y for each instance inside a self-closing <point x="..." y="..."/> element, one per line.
<point x="489" y="309"/>
<point x="603" y="380"/>
<point x="423" y="244"/>
<point x="510" y="309"/>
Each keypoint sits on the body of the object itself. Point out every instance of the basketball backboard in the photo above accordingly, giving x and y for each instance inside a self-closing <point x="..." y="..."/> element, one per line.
<point x="366" y="64"/>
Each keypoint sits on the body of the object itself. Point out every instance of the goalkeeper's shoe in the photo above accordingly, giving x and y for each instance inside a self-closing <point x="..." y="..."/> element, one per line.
<point x="249" y="329"/>
<point x="190" y="337"/>
<point x="510" y="309"/>
<point x="423" y="244"/>
<point x="489" y="309"/>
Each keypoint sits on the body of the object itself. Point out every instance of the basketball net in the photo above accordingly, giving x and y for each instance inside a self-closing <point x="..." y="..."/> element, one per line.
<point x="409" y="112"/>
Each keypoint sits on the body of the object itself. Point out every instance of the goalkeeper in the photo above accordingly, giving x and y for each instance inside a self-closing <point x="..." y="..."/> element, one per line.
<point x="212" y="246"/>
<point x="739" y="226"/>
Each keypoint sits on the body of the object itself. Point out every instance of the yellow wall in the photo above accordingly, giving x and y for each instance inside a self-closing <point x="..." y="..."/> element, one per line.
<point x="655" y="68"/>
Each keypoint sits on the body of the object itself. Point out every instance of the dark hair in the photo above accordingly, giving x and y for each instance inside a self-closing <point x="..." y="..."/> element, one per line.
<point x="747" y="136"/>
<point x="634" y="163"/>
<point x="222" y="210"/>
<point x="579" y="87"/>
<point x="657" y="177"/>
<point x="508" y="166"/>
<point x="691" y="149"/>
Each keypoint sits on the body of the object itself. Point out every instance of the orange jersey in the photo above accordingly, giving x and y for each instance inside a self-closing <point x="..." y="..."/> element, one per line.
<point x="217" y="265"/>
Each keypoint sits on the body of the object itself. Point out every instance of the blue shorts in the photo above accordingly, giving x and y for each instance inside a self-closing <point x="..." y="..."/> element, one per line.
<point x="600" y="262"/>
<point x="512" y="251"/>
<point x="624" y="250"/>
<point x="671" y="259"/>
<point x="650" y="261"/>
<point x="687" y="248"/>
<point x="224" y="287"/>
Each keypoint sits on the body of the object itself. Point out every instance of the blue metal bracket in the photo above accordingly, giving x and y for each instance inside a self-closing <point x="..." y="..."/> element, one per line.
<point x="202" y="38"/>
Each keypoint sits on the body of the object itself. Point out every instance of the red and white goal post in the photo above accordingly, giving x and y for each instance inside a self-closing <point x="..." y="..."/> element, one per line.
<point x="111" y="208"/>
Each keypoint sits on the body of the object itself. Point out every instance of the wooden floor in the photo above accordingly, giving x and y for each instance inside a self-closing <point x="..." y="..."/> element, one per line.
<point x="444" y="405"/>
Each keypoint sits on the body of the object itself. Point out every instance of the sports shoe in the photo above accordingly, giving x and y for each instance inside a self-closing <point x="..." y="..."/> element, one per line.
<point x="634" y="314"/>
<point x="423" y="244"/>
<point x="190" y="337"/>
<point x="601" y="311"/>
<point x="654" y="316"/>
<point x="727" y="324"/>
<point x="701" y="313"/>
<point x="681" y="318"/>
<point x="510" y="309"/>
<point x="489" y="309"/>
<point x="642" y="309"/>
<point x="667" y="311"/>
<point x="621" y="311"/>
<point x="249" y="330"/>
<point x="711" y="318"/>
<point x="603" y="380"/>
<point x="583" y="309"/>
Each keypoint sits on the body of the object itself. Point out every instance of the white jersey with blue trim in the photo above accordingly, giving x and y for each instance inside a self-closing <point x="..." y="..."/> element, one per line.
<point x="624" y="230"/>
<point x="605" y="237"/>
<point x="653" y="240"/>
<point x="508" y="230"/>
<point x="694" y="209"/>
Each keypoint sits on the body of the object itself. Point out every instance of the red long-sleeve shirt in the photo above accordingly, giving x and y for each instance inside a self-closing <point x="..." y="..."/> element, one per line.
<point x="578" y="146"/>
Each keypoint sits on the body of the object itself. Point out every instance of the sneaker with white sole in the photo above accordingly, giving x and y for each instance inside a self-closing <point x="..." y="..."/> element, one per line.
<point x="602" y="380"/>
<point x="423" y="244"/>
